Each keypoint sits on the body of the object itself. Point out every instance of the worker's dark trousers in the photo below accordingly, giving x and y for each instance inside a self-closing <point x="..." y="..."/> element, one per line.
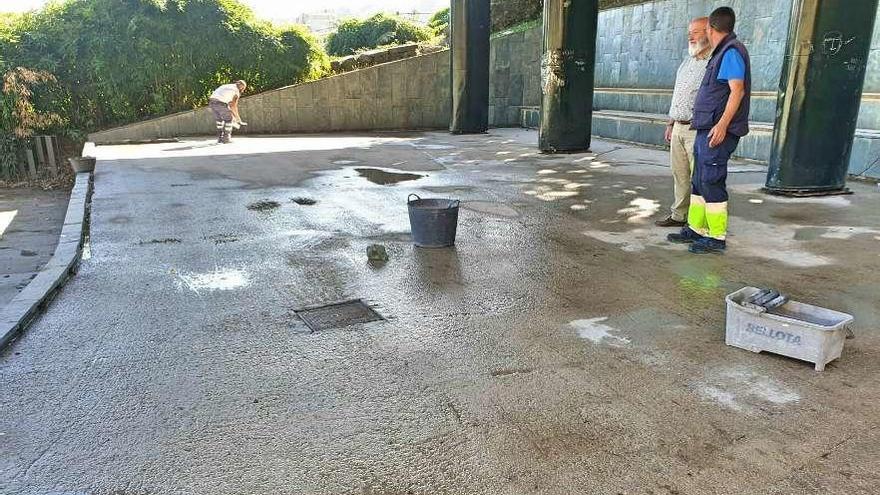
<point x="707" y="214"/>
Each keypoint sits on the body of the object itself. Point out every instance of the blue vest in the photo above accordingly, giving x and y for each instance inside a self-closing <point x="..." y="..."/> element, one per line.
<point x="712" y="97"/>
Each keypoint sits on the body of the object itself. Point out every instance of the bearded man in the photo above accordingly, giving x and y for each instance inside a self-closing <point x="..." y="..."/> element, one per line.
<point x="679" y="134"/>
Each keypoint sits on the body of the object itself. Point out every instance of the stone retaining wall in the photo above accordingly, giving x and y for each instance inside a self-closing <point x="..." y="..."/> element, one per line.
<point x="407" y="94"/>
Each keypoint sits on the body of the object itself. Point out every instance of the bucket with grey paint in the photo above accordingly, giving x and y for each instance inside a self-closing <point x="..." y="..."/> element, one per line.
<point x="433" y="221"/>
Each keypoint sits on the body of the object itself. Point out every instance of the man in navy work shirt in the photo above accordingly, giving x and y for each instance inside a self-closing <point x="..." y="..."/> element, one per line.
<point x="721" y="118"/>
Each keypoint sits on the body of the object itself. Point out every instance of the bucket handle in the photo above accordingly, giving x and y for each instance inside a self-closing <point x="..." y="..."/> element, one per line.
<point x="410" y="196"/>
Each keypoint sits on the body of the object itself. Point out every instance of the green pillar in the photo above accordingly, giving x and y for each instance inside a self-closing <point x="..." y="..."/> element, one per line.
<point x="567" y="71"/>
<point x="819" y="95"/>
<point x="469" y="25"/>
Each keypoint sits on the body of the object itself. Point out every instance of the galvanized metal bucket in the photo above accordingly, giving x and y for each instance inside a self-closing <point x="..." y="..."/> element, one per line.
<point x="433" y="221"/>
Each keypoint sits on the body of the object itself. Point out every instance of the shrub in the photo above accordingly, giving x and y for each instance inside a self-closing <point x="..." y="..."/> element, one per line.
<point x="439" y="22"/>
<point x="353" y="35"/>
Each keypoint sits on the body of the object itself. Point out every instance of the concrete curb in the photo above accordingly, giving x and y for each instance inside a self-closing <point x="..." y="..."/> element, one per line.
<point x="19" y="312"/>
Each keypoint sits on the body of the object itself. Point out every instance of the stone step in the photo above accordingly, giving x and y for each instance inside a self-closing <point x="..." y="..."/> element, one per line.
<point x="647" y="128"/>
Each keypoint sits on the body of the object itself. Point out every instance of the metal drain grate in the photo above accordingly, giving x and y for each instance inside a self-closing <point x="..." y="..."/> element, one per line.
<point x="338" y="315"/>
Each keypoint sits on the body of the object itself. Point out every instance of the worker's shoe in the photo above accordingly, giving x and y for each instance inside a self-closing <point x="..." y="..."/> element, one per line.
<point x="708" y="245"/>
<point x="670" y="222"/>
<point x="686" y="236"/>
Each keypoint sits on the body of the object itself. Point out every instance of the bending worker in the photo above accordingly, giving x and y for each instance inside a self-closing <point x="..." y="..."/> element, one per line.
<point x="224" y="104"/>
<point x="721" y="118"/>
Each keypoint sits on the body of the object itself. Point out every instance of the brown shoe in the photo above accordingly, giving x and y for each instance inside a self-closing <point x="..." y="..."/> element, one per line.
<point x="670" y="222"/>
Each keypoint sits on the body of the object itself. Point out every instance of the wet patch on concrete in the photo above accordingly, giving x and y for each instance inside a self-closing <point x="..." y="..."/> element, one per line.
<point x="489" y="208"/>
<point x="386" y="177"/>
<point x="222" y="238"/>
<point x="120" y="219"/>
<point x="774" y="242"/>
<point x="392" y="237"/>
<point x="632" y="241"/>
<point x="167" y="240"/>
<point x="510" y="371"/>
<point x="264" y="205"/>
<point x="303" y="201"/>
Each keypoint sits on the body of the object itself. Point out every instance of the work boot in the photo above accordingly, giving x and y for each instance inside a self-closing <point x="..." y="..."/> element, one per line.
<point x="708" y="245"/>
<point x="227" y="133"/>
<point x="686" y="236"/>
<point x="670" y="222"/>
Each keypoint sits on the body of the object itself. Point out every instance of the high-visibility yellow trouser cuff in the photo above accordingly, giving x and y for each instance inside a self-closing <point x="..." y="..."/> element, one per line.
<point x="716" y="218"/>
<point x="697" y="215"/>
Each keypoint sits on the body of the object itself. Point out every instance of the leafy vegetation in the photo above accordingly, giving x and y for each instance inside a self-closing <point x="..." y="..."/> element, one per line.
<point x="118" y="61"/>
<point x="18" y="117"/>
<point x="354" y="35"/>
<point x="439" y="22"/>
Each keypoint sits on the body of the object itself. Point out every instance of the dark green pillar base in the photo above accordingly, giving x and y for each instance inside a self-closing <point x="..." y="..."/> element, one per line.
<point x="470" y="26"/>
<point x="806" y="193"/>
<point x="819" y="95"/>
<point x="567" y="74"/>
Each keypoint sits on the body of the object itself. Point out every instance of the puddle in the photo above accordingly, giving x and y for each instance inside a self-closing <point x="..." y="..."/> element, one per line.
<point x="304" y="201"/>
<point x="216" y="280"/>
<point x="263" y="205"/>
<point x="384" y="177"/>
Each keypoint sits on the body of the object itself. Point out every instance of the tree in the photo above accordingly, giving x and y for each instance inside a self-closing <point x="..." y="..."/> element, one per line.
<point x="353" y="35"/>
<point x="18" y="117"/>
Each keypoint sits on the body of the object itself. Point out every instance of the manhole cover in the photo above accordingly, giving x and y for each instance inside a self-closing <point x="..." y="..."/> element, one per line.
<point x="338" y="315"/>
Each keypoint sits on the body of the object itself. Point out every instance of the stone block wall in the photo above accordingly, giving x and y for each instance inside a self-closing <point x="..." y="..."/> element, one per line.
<point x="407" y="94"/>
<point x="639" y="48"/>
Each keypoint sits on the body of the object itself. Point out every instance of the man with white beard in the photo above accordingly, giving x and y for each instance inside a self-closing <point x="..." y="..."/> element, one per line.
<point x="679" y="134"/>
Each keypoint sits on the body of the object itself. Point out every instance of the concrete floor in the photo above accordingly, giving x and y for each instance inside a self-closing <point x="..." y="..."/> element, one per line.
<point x="30" y="223"/>
<point x="562" y="347"/>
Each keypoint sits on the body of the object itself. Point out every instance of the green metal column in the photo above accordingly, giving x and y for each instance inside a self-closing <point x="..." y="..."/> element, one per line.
<point x="819" y="95"/>
<point x="469" y="23"/>
<point x="567" y="71"/>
